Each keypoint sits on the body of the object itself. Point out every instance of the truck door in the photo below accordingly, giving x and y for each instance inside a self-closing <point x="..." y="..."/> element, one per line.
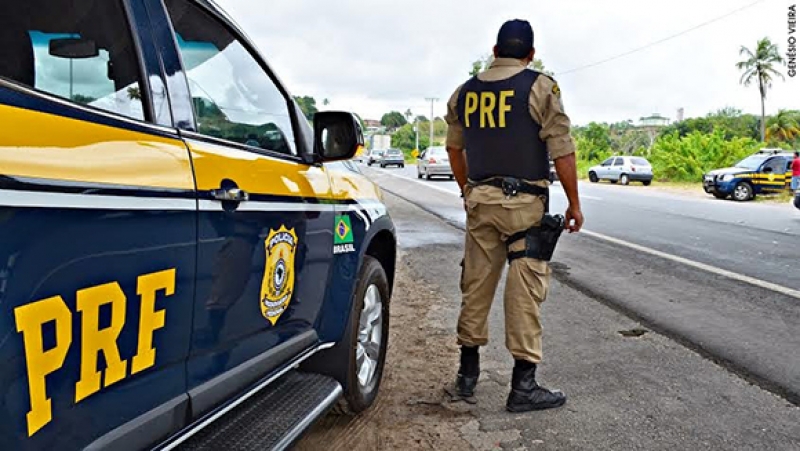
<point x="265" y="221"/>
<point x="97" y="234"/>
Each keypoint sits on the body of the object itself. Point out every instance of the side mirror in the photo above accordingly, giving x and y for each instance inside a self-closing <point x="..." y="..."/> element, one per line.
<point x="337" y="136"/>
<point x="73" y="48"/>
<point x="767" y="170"/>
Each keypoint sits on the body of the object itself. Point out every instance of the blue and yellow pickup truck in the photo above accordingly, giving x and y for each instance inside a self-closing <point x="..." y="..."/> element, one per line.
<point x="185" y="261"/>
<point x="766" y="171"/>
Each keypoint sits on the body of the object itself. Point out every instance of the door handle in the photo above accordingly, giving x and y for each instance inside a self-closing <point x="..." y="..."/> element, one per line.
<point x="230" y="194"/>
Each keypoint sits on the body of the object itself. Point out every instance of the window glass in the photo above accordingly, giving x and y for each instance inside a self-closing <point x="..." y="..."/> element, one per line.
<point x="618" y="162"/>
<point x="81" y="50"/>
<point x="608" y="162"/>
<point x="640" y="162"/>
<point x="234" y="98"/>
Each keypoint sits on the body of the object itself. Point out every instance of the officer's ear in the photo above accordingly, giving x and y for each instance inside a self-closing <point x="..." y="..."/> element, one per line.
<point x="494" y="51"/>
<point x="530" y="55"/>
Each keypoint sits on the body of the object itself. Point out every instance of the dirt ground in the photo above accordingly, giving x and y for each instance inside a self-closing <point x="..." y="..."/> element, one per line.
<point x="411" y="411"/>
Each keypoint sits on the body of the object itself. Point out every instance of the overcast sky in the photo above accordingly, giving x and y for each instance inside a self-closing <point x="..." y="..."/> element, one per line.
<point x="374" y="56"/>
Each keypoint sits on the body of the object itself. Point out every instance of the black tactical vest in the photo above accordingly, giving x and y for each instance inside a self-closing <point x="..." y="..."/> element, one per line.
<point x="501" y="137"/>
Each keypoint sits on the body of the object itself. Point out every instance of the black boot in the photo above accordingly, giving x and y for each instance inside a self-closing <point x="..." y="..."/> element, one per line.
<point x="526" y="394"/>
<point x="468" y="372"/>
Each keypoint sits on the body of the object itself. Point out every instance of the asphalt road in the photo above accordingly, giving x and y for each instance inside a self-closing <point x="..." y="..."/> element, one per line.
<point x="644" y="254"/>
<point x="643" y="392"/>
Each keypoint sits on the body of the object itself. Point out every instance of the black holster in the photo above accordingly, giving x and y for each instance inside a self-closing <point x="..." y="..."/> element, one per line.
<point x="540" y="241"/>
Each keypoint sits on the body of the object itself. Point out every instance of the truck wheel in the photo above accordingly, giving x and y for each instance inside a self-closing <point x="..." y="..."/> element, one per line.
<point x="593" y="177"/>
<point x="367" y="338"/>
<point x="646" y="182"/>
<point x="743" y="192"/>
<point x="623" y="179"/>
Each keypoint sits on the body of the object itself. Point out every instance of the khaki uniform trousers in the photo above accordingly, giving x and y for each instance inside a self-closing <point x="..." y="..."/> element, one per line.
<point x="491" y="219"/>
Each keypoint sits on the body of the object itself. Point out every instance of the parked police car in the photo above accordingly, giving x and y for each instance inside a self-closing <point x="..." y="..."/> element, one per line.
<point x="766" y="171"/>
<point x="175" y="238"/>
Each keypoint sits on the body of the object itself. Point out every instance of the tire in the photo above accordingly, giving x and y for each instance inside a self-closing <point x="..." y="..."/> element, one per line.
<point x="341" y="361"/>
<point x="383" y="166"/>
<point x="624" y="179"/>
<point x="428" y="176"/>
<point x="419" y="174"/>
<point x="593" y="177"/>
<point x="646" y="182"/>
<point x="372" y="281"/>
<point x="452" y="177"/>
<point x="720" y="195"/>
<point x="743" y="192"/>
<point x="613" y="182"/>
<point x="369" y="163"/>
<point x="402" y="165"/>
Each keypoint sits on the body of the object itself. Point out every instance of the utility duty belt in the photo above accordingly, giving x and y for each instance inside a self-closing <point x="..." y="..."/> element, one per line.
<point x="541" y="240"/>
<point x="512" y="186"/>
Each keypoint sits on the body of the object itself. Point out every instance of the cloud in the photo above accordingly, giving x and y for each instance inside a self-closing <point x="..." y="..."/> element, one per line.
<point x="376" y="56"/>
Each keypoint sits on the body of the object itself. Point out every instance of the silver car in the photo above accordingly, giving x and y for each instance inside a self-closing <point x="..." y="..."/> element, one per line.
<point x="623" y="169"/>
<point x="434" y="161"/>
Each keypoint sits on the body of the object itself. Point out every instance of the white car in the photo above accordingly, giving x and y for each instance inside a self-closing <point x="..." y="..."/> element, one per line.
<point x="434" y="161"/>
<point x="622" y="169"/>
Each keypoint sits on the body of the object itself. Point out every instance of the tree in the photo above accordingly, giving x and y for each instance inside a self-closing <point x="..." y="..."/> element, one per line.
<point x="484" y="62"/>
<point x="421" y="118"/>
<point x="393" y="119"/>
<point x="325" y="102"/>
<point x="308" y="105"/>
<point x="783" y="127"/>
<point x="82" y="99"/>
<point x="759" y="66"/>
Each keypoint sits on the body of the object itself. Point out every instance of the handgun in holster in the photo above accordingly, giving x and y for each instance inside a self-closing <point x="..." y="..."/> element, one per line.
<point x="540" y="241"/>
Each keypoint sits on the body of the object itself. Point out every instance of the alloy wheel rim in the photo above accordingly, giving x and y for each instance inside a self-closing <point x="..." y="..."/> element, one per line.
<point x="741" y="192"/>
<point x="370" y="336"/>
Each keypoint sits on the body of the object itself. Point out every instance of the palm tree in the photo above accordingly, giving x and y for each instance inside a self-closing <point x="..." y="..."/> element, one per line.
<point x="784" y="126"/>
<point x="759" y="65"/>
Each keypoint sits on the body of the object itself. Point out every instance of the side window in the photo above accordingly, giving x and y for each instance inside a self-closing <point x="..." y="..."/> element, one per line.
<point x="81" y="50"/>
<point x="618" y="162"/>
<point x="608" y="162"/>
<point x="774" y="165"/>
<point x="234" y="98"/>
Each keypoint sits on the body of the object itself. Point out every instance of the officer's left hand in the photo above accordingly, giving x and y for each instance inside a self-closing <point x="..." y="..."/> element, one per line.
<point x="574" y="219"/>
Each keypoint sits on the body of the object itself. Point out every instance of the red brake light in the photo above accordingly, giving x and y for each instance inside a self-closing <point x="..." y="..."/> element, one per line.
<point x="432" y="160"/>
<point x="633" y="168"/>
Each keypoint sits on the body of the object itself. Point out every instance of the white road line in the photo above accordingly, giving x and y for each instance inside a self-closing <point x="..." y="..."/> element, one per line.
<point x="712" y="269"/>
<point x="408" y="179"/>
<point x="702" y="266"/>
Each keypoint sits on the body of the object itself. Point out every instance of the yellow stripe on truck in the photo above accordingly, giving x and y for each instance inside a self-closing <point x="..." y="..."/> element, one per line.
<point x="43" y="145"/>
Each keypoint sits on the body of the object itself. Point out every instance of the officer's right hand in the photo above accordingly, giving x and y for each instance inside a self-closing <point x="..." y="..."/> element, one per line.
<point x="574" y="219"/>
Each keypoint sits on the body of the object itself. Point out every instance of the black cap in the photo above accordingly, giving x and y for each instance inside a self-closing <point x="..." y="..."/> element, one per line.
<point x="515" y="39"/>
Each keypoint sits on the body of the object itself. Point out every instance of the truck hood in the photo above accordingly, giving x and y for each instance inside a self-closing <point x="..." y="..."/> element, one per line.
<point x="725" y="171"/>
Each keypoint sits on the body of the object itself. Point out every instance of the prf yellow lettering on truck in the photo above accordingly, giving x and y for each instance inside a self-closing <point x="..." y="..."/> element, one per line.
<point x="31" y="319"/>
<point x="488" y="106"/>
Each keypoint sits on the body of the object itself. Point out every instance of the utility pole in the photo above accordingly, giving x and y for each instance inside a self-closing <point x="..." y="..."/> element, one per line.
<point x="431" y="100"/>
<point x="416" y="131"/>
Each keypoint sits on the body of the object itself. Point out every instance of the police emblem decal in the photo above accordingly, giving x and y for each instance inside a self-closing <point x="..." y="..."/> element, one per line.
<point x="277" y="287"/>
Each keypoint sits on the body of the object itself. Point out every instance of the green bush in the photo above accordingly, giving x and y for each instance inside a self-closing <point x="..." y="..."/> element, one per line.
<point x="686" y="158"/>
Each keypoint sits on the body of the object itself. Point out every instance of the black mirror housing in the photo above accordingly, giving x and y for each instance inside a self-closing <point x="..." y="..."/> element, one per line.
<point x="337" y="136"/>
<point x="73" y="48"/>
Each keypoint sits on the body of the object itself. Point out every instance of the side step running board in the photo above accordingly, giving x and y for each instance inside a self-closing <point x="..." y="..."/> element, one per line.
<point x="272" y="419"/>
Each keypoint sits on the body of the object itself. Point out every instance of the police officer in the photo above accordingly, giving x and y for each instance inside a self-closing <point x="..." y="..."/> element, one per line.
<point x="505" y="125"/>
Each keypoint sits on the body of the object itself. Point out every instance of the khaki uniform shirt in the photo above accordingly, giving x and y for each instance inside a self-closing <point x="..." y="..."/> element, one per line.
<point x="544" y="104"/>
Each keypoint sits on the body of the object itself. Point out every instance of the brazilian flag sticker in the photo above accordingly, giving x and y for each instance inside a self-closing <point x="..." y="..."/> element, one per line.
<point x="343" y="233"/>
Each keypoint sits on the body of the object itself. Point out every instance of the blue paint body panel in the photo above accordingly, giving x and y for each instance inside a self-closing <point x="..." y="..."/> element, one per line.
<point x="60" y="235"/>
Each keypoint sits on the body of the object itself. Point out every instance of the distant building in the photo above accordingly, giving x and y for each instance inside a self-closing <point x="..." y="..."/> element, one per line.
<point x="680" y="115"/>
<point x="654" y="120"/>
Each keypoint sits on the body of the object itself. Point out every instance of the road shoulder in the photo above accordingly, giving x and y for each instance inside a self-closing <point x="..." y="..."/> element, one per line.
<point x="625" y="392"/>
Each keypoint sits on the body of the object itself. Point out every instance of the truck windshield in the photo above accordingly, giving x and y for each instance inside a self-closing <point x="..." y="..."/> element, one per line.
<point x="752" y="162"/>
